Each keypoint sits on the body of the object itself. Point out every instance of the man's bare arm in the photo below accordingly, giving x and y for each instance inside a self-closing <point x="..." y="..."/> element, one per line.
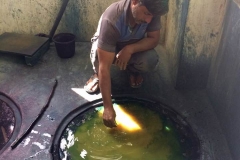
<point x="105" y="61"/>
<point x="144" y="44"/>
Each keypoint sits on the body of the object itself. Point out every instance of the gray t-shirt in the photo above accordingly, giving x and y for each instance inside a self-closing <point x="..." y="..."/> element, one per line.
<point x="113" y="29"/>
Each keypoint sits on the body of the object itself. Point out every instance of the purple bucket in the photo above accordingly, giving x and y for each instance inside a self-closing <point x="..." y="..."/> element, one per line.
<point x="65" y="44"/>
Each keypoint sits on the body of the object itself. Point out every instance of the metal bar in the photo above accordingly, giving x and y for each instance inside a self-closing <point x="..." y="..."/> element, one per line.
<point x="59" y="16"/>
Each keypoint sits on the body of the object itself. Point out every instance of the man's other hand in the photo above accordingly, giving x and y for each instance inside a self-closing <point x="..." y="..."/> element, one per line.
<point x="109" y="116"/>
<point x="123" y="57"/>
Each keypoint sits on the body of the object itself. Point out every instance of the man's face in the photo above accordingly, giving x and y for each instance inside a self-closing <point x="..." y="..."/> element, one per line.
<point x="141" y="14"/>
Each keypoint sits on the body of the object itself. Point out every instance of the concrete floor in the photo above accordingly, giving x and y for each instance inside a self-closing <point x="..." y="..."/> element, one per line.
<point x="30" y="88"/>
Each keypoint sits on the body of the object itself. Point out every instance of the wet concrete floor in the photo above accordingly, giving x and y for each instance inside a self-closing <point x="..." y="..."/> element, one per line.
<point x="30" y="88"/>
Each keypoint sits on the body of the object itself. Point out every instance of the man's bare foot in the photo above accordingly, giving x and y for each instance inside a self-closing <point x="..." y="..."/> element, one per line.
<point x="92" y="85"/>
<point x="135" y="80"/>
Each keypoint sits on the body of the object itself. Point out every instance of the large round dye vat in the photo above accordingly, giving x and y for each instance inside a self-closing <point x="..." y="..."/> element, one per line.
<point x="146" y="130"/>
<point x="10" y="121"/>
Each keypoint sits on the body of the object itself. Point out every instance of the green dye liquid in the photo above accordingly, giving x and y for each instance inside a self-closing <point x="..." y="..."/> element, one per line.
<point x="157" y="140"/>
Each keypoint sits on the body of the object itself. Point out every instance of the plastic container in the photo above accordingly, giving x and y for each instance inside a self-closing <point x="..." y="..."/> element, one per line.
<point x="65" y="44"/>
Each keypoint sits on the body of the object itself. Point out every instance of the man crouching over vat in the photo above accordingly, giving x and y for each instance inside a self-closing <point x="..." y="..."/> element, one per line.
<point x="127" y="33"/>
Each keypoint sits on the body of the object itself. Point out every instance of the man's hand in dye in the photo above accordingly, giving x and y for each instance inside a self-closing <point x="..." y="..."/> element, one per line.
<point x="123" y="57"/>
<point x="109" y="116"/>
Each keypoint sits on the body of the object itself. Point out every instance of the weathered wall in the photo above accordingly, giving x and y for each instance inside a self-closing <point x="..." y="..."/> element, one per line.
<point x="38" y="16"/>
<point x="201" y="38"/>
<point x="174" y="27"/>
<point x="224" y="79"/>
<point x="190" y="34"/>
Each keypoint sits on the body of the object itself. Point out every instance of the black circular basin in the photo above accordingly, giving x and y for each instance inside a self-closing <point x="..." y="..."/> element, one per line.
<point x="171" y="133"/>
<point x="10" y="121"/>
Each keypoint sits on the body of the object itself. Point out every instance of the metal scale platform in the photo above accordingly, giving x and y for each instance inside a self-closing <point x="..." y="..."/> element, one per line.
<point x="29" y="46"/>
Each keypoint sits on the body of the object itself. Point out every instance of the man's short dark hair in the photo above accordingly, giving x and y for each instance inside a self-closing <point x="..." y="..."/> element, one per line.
<point x="156" y="7"/>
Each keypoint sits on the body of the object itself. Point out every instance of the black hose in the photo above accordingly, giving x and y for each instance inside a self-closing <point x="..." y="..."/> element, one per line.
<point x="17" y="141"/>
<point x="59" y="16"/>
